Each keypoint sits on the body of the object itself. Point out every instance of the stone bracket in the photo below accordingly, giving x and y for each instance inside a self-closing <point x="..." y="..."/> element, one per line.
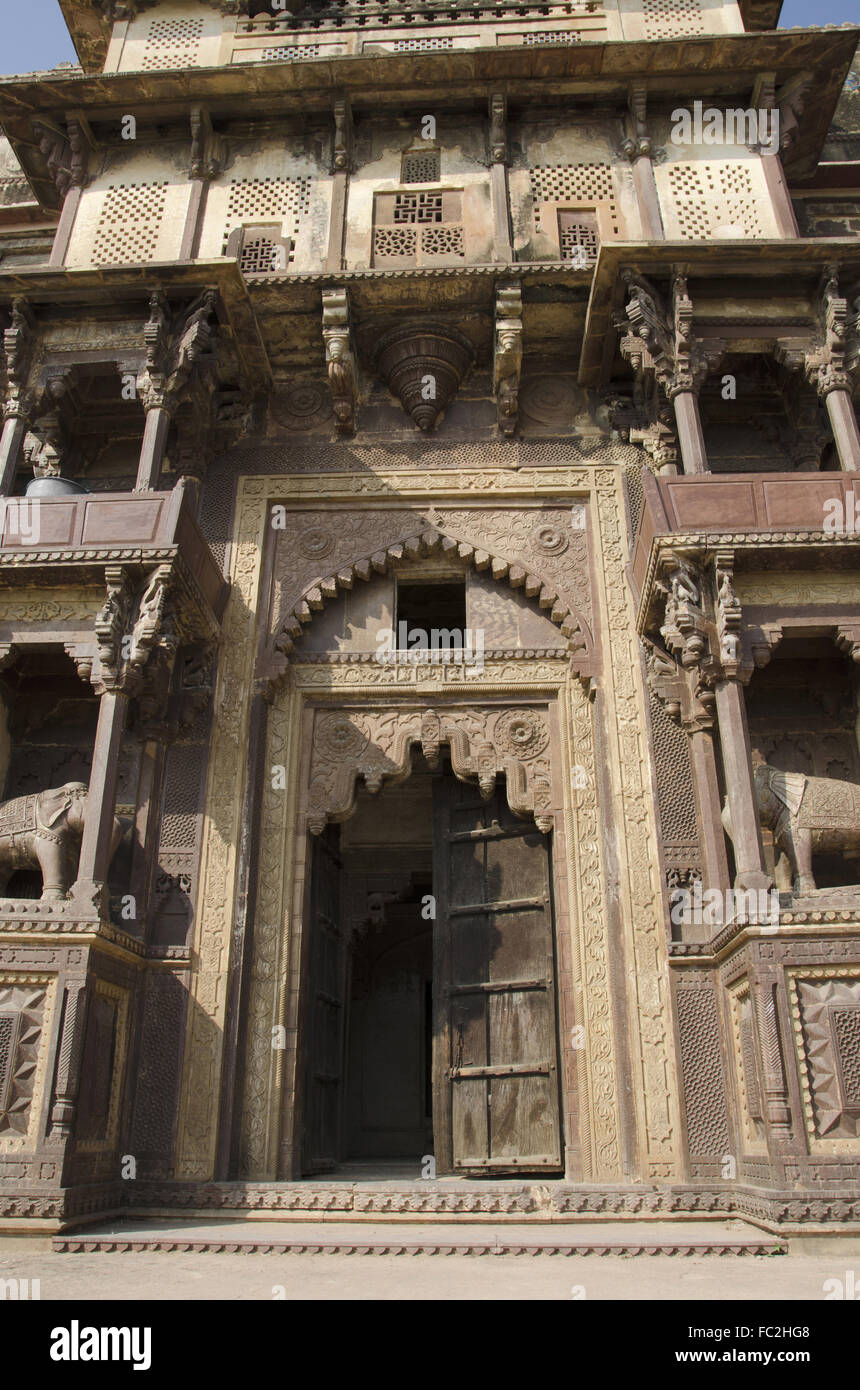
<point x="341" y="363"/>
<point x="508" y="355"/>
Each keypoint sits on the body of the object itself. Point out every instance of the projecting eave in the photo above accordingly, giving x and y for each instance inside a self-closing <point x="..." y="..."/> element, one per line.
<point x="745" y="291"/>
<point x="674" y="70"/>
<point x="88" y="289"/>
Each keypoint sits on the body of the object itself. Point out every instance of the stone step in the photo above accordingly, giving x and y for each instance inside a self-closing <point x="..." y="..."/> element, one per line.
<point x="408" y="1238"/>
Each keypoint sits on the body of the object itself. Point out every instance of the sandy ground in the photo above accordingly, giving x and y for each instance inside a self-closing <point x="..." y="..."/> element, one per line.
<point x="175" y="1276"/>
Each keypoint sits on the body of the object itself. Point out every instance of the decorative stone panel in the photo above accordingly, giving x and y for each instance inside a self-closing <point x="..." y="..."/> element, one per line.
<point x="825" y="1007"/>
<point x="722" y="198"/>
<point x="745" y="1055"/>
<point x="172" y="43"/>
<point x="702" y="1066"/>
<point x="673" y="18"/>
<point x="102" y="1068"/>
<point x="26" y="1011"/>
<point x="252" y="201"/>
<point x="158" y="1072"/>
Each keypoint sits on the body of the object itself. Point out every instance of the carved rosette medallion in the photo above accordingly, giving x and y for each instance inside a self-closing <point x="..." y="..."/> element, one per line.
<point x="521" y="733"/>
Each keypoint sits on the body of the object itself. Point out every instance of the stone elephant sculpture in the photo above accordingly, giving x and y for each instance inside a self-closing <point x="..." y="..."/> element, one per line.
<point x="43" y="831"/>
<point x="806" y="815"/>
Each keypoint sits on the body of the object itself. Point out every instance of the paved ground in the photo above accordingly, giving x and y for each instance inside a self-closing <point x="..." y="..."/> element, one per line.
<point x="410" y="1277"/>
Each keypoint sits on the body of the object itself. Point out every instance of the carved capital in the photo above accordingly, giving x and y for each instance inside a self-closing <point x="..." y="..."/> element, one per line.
<point x="178" y="351"/>
<point x="19" y="341"/>
<point x="829" y="358"/>
<point x="661" y="340"/>
<point x="127" y="626"/>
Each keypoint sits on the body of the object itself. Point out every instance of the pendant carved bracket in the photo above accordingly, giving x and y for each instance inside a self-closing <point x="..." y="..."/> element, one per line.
<point x="342" y="139"/>
<point x="508" y="355"/>
<point x="209" y="152"/>
<point x="179" y="349"/>
<point x="637" y="142"/>
<point x="128" y="626"/>
<point x="660" y="340"/>
<point x="375" y="747"/>
<point x="830" y="357"/>
<point x="498" y="128"/>
<point x="341" y="363"/>
<point x="19" y="342"/>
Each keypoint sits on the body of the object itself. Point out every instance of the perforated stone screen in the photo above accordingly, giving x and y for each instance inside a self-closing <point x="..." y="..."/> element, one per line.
<point x="427" y="45"/>
<point x="129" y="223"/>
<point x="421" y="168"/>
<point x="672" y="18"/>
<point x="553" y="185"/>
<point x="709" y="196"/>
<point x="552" y="36"/>
<point x="258" y="200"/>
<point x="172" y="43"/>
<point x="283" y="52"/>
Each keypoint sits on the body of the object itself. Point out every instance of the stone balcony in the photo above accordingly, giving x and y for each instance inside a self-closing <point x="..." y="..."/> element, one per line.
<point x="790" y="519"/>
<point x="42" y="537"/>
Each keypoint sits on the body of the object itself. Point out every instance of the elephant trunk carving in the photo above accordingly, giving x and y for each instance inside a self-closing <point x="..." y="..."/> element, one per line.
<point x="43" y="831"/>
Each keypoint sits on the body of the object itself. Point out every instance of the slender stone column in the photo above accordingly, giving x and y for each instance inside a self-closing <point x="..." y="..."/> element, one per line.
<point x="750" y="868"/>
<point x="502" y="247"/>
<point x="101" y="801"/>
<point x="690" y="436"/>
<point x="69" y="1055"/>
<point x="843" y="422"/>
<point x="153" y="447"/>
<point x="708" y="797"/>
<point x="11" y="440"/>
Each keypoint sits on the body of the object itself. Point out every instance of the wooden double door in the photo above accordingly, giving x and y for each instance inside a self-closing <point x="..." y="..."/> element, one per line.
<point x="491" y="1034"/>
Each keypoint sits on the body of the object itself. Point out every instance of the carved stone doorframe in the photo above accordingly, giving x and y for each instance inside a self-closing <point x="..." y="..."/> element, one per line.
<point x="617" y="980"/>
<point x="371" y="740"/>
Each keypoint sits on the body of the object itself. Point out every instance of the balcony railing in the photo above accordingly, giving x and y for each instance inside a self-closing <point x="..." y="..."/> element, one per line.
<point x="739" y="505"/>
<point x="108" y="527"/>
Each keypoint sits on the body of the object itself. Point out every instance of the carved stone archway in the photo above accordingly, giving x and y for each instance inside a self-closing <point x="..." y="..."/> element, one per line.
<point x="552" y="595"/>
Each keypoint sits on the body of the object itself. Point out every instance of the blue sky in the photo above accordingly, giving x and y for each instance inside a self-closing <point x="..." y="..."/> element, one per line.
<point x="34" y="36"/>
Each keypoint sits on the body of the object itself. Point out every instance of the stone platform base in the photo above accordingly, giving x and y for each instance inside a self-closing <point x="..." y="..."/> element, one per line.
<point x="416" y="1238"/>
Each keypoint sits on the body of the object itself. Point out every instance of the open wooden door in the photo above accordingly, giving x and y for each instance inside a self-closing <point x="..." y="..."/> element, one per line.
<point x="326" y="1000"/>
<point x="495" y="1050"/>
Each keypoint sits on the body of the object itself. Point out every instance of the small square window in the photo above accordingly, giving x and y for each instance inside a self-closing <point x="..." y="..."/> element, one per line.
<point x="434" y="612"/>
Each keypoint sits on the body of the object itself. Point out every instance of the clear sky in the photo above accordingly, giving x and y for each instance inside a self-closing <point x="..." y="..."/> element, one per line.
<point x="33" y="34"/>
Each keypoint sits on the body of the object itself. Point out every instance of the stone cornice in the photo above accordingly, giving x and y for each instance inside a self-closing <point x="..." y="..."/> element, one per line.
<point x="723" y="64"/>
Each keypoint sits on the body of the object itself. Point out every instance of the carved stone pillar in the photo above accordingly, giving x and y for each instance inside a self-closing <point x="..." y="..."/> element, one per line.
<point x="126" y="629"/>
<point x="704" y="765"/>
<point x="98" y="829"/>
<point x="690" y="436"/>
<point x="637" y="148"/>
<point x="341" y="167"/>
<point x="766" y="988"/>
<point x="843" y="422"/>
<point x="750" y="868"/>
<point x="69" y="1055"/>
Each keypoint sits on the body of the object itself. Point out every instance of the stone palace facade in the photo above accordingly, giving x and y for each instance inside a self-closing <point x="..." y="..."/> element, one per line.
<point x="430" y="613"/>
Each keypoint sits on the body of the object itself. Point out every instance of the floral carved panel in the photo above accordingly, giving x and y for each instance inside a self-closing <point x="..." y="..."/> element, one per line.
<point x="374" y="746"/>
